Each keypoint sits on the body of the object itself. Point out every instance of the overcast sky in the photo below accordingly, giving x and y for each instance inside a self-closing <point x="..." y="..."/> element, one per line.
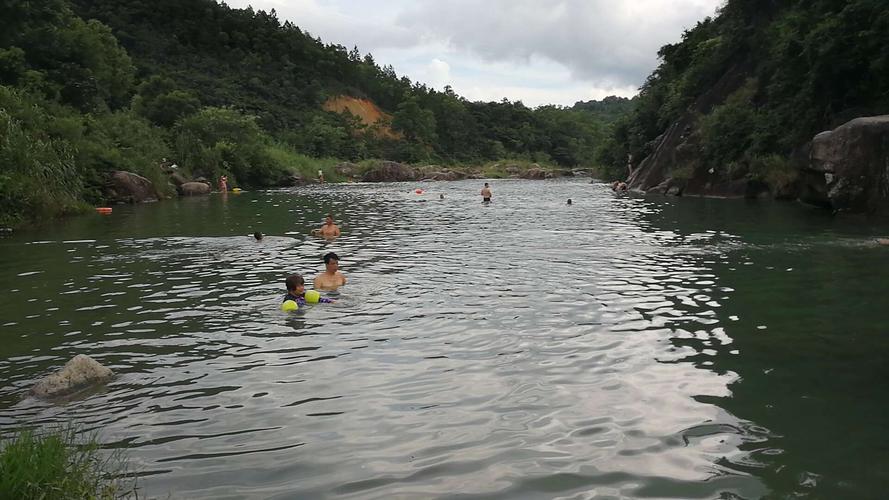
<point x="539" y="52"/>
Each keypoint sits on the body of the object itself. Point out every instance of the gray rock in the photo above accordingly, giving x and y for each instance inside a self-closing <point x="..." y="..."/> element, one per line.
<point x="854" y="159"/>
<point x="194" y="189"/>
<point x="534" y="173"/>
<point x="79" y="373"/>
<point x="389" y="171"/>
<point x="127" y="187"/>
<point x="177" y="179"/>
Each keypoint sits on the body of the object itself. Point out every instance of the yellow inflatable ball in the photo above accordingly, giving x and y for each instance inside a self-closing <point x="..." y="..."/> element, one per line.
<point x="289" y="306"/>
<point x="312" y="297"/>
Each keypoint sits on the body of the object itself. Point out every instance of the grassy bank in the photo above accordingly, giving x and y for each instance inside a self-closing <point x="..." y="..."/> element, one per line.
<point x="60" y="464"/>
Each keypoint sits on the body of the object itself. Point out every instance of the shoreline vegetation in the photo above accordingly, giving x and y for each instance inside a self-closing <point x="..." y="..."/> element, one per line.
<point x="92" y="89"/>
<point x="62" y="463"/>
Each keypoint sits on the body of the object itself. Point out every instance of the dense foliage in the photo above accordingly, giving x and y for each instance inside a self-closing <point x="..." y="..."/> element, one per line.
<point x="282" y="75"/>
<point x="90" y="87"/>
<point x="797" y="68"/>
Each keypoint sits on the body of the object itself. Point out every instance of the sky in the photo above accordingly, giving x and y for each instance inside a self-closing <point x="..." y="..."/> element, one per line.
<point x="536" y="51"/>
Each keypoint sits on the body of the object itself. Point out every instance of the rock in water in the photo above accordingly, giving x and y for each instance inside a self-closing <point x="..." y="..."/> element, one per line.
<point x="390" y="171"/>
<point x="127" y="187"/>
<point x="81" y="372"/>
<point x="854" y="159"/>
<point x="194" y="189"/>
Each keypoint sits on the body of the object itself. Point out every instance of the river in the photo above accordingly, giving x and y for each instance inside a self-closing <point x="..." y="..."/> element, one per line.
<point x="620" y="347"/>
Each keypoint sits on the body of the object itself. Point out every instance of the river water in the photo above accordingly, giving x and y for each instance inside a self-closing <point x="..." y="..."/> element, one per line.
<point x="620" y="347"/>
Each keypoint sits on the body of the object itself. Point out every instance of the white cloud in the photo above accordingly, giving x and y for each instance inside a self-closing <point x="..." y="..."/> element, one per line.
<point x="438" y="74"/>
<point x="600" y="41"/>
<point x="538" y="52"/>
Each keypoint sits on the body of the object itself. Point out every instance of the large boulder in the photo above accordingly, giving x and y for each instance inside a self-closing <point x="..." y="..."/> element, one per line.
<point x="79" y="373"/>
<point x="389" y="171"/>
<point x="534" y="173"/>
<point x="854" y="159"/>
<point x="177" y="179"/>
<point x="194" y="189"/>
<point x="127" y="187"/>
<point x="442" y="176"/>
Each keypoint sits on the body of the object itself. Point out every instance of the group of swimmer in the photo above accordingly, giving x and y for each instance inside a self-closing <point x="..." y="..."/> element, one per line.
<point x="331" y="279"/>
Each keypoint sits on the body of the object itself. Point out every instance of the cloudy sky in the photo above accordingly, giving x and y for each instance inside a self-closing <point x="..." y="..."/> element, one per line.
<point x="536" y="51"/>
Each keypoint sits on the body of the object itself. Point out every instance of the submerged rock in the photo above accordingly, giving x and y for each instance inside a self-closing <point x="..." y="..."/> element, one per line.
<point x="79" y="373"/>
<point x="854" y="160"/>
<point x="127" y="187"/>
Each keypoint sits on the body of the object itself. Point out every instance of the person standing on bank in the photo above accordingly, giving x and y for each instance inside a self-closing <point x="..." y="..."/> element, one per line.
<point x="486" y="194"/>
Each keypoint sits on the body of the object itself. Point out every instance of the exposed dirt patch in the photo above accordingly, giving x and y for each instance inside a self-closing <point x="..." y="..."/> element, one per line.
<point x="368" y="112"/>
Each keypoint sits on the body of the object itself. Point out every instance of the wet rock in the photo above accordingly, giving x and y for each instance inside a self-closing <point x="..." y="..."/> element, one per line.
<point x="194" y="189"/>
<point x="854" y="160"/>
<point x="127" y="187"/>
<point x="442" y="176"/>
<point x="534" y="173"/>
<point x="177" y="179"/>
<point x="79" y="373"/>
<point x="389" y="171"/>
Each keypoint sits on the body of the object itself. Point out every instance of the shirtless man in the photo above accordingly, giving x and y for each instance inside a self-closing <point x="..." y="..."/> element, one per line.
<point x="328" y="230"/>
<point x="331" y="278"/>
<point x="486" y="194"/>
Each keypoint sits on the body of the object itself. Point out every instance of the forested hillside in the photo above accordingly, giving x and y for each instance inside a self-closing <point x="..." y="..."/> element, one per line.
<point x="740" y="97"/>
<point x="87" y="88"/>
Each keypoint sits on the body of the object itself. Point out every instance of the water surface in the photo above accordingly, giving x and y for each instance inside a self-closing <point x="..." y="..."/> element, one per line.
<point x="621" y="347"/>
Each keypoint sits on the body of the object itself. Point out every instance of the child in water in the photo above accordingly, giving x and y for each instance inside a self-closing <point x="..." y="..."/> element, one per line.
<point x="296" y="291"/>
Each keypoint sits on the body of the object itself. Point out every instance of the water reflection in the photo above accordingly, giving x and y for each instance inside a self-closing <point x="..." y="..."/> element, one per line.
<point x="523" y="350"/>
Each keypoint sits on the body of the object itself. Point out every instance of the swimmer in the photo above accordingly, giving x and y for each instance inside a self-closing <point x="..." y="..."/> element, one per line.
<point x="223" y="184"/>
<point x="296" y="291"/>
<point x="569" y="201"/>
<point x="486" y="194"/>
<point x="441" y="197"/>
<point x="331" y="278"/>
<point x="258" y="236"/>
<point x="328" y="230"/>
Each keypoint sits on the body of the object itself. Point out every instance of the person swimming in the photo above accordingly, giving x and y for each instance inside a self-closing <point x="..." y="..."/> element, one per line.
<point x="258" y="236"/>
<point x="569" y="201"/>
<point x="328" y="230"/>
<point x="296" y="291"/>
<point x="331" y="278"/>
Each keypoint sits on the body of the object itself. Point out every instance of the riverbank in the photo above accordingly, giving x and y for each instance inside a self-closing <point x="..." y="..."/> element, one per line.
<point x="169" y="180"/>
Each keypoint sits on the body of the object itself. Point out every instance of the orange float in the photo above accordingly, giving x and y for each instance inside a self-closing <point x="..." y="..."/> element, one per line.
<point x="103" y="210"/>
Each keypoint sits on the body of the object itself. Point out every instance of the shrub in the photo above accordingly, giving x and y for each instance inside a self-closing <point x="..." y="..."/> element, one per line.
<point x="218" y="141"/>
<point x="58" y="465"/>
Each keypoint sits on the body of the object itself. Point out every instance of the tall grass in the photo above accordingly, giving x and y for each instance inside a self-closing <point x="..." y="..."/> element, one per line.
<point x="57" y="464"/>
<point x="306" y="166"/>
